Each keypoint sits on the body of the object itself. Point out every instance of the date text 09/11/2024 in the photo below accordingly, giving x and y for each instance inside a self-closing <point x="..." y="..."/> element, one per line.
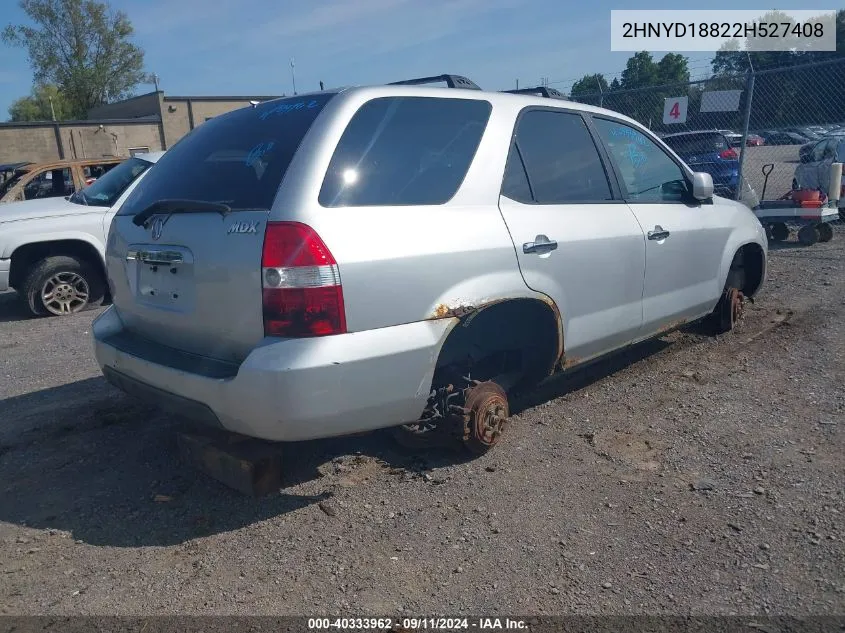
<point x="416" y="624"/>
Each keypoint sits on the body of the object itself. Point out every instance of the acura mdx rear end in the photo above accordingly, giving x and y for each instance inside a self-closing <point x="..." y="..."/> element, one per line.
<point x="229" y="305"/>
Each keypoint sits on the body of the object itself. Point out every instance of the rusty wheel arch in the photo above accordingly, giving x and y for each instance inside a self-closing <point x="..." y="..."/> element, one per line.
<point x="534" y="318"/>
<point x="747" y="269"/>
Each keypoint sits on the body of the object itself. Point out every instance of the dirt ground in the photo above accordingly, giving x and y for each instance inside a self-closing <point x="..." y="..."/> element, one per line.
<point x="691" y="475"/>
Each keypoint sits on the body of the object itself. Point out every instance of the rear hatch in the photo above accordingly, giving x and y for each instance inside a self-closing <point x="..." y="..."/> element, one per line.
<point x="184" y="254"/>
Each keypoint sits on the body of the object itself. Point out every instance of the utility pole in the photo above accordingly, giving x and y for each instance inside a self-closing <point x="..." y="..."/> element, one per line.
<point x="293" y="74"/>
<point x="52" y="109"/>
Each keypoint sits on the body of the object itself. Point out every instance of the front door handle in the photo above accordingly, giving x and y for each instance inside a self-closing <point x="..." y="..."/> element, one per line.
<point x="541" y="244"/>
<point x="659" y="233"/>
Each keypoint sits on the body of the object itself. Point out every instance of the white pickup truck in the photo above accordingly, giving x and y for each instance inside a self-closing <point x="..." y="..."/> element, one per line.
<point x="52" y="251"/>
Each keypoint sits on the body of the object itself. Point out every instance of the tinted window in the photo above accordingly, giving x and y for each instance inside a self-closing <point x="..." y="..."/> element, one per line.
<point x="647" y="171"/>
<point x="560" y="157"/>
<point x="698" y="143"/>
<point x="105" y="191"/>
<point x="515" y="184"/>
<point x="404" y="151"/>
<point x="238" y="158"/>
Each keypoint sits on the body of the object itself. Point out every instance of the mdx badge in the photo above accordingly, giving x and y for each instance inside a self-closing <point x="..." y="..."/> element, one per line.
<point x="243" y="227"/>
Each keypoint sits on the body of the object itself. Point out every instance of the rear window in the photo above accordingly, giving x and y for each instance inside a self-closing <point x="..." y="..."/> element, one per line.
<point x="405" y="151"/>
<point x="697" y="143"/>
<point x="237" y="159"/>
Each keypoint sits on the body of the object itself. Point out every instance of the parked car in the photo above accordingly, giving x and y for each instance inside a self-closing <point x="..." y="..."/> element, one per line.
<point x="52" y="250"/>
<point x="735" y="139"/>
<point x="349" y="260"/>
<point x="810" y="133"/>
<point x="710" y="152"/>
<point x="785" y="138"/>
<point x="32" y="181"/>
<point x="814" y="170"/>
<point x="807" y="149"/>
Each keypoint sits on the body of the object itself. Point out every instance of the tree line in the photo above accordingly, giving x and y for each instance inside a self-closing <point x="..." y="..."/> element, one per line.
<point x="82" y="56"/>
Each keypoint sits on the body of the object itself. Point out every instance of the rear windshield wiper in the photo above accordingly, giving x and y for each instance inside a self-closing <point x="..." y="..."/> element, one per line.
<point x="180" y="206"/>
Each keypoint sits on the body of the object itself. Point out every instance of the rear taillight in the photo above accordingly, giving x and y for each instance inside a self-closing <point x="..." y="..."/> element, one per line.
<point x="728" y="154"/>
<point x="302" y="295"/>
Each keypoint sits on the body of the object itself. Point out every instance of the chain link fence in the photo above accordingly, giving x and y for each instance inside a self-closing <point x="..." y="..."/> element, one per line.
<point x="787" y="122"/>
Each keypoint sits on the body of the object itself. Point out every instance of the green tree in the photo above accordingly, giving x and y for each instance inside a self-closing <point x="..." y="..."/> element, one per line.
<point x="640" y="71"/>
<point x="672" y="69"/>
<point x="589" y="89"/>
<point x="40" y="105"/>
<point x="81" y="46"/>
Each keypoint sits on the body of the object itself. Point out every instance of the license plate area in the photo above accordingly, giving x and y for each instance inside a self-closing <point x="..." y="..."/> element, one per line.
<point x="163" y="276"/>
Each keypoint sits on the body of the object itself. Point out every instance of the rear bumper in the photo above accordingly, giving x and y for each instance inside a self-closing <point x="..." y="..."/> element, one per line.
<point x="294" y="389"/>
<point x="5" y="267"/>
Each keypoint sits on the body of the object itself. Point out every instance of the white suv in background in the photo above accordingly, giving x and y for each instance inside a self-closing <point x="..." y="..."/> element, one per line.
<point x="52" y="251"/>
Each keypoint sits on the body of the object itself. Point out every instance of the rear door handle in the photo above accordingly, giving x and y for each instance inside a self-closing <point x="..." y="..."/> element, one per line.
<point x="658" y="233"/>
<point x="541" y="244"/>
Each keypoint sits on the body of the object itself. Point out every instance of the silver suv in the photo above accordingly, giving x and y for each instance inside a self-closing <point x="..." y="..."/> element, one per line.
<point x="407" y="256"/>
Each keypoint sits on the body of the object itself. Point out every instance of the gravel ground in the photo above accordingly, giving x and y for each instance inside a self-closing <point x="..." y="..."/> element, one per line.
<point x="691" y="475"/>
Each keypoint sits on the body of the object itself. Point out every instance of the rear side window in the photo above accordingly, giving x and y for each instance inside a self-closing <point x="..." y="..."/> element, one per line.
<point x="560" y="158"/>
<point x="697" y="143"/>
<point x="404" y="151"/>
<point x="237" y="159"/>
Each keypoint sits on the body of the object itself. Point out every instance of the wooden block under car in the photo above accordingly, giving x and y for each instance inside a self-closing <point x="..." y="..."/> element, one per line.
<point x="248" y="465"/>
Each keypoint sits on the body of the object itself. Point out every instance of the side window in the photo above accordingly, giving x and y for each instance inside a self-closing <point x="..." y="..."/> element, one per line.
<point x="561" y="161"/>
<point x="92" y="172"/>
<point x="819" y="151"/>
<point x="405" y="151"/>
<point x="515" y="184"/>
<point x="649" y="175"/>
<point x="53" y="183"/>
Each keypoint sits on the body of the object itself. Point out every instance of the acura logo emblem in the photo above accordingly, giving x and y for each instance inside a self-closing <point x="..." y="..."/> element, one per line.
<point x="157" y="228"/>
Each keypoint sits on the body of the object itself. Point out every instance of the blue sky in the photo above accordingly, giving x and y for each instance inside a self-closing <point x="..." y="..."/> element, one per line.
<point x="243" y="47"/>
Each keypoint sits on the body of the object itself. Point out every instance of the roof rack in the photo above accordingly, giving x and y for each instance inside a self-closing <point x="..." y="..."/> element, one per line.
<point x="452" y="81"/>
<point x="540" y="91"/>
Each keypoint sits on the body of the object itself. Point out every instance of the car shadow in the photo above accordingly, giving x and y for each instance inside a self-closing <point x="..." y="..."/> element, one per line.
<point x="12" y="308"/>
<point x="88" y="461"/>
<point x="785" y="246"/>
<point x="104" y="469"/>
<point x="564" y="383"/>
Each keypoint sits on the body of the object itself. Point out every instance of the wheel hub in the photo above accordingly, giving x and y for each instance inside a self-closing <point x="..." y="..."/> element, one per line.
<point x="486" y="408"/>
<point x="65" y="293"/>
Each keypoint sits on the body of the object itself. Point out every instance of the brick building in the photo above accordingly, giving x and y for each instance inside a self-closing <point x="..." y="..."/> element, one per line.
<point x="150" y="121"/>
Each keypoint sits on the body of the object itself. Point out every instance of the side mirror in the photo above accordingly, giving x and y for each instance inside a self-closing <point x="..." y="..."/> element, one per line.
<point x="702" y="186"/>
